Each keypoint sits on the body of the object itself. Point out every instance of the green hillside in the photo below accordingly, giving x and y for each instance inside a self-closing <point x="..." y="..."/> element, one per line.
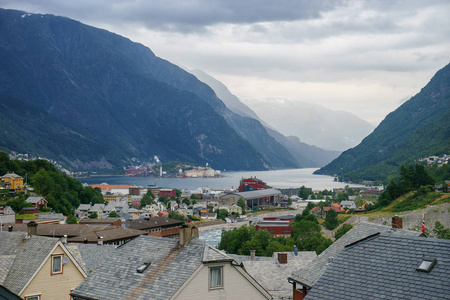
<point x="418" y="128"/>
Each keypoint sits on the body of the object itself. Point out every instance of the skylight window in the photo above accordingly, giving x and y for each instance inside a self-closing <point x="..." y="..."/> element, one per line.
<point x="426" y="265"/>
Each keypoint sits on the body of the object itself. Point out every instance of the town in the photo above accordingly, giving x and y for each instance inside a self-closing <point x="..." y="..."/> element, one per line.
<point x="153" y="231"/>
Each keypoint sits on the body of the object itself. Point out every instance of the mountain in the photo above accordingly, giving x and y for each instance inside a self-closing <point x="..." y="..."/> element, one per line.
<point x="306" y="155"/>
<point x="91" y="99"/>
<point x="313" y="124"/>
<point x="418" y="128"/>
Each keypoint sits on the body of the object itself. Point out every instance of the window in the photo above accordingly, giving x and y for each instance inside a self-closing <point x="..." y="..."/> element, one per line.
<point x="215" y="277"/>
<point x="426" y="264"/>
<point x="36" y="297"/>
<point x="57" y="264"/>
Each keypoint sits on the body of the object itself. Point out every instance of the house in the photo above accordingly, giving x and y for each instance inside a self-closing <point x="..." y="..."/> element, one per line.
<point x="231" y="219"/>
<point x="97" y="208"/>
<point x="107" y="236"/>
<point x="316" y="211"/>
<point x="277" y="228"/>
<point x="37" y="201"/>
<point x="37" y="267"/>
<point x="82" y="210"/>
<point x="12" y="181"/>
<point x="388" y="265"/>
<point x="348" y="204"/>
<point x="167" y="193"/>
<point x="7" y="215"/>
<point x="304" y="279"/>
<point x="52" y="217"/>
<point x="119" y="206"/>
<point x="157" y="226"/>
<point x="208" y="216"/>
<point x="235" y="209"/>
<point x="30" y="210"/>
<point x="271" y="272"/>
<point x="121" y="189"/>
<point x="160" y="268"/>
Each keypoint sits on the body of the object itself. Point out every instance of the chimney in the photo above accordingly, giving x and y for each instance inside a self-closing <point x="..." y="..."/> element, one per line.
<point x="397" y="222"/>
<point x="10" y="228"/>
<point x="185" y="235"/>
<point x="295" y="250"/>
<point x="100" y="240"/>
<point x="32" y="228"/>
<point x="194" y="233"/>
<point x="282" y="258"/>
<point x="252" y="254"/>
<point x="64" y="239"/>
<point x="85" y="241"/>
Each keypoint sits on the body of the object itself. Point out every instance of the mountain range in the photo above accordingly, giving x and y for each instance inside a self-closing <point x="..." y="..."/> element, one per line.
<point x="92" y="99"/>
<point x="313" y="124"/>
<point x="306" y="155"/>
<point x="420" y="127"/>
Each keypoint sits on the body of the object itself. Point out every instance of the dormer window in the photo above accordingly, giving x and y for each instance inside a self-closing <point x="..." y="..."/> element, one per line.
<point x="216" y="277"/>
<point x="426" y="265"/>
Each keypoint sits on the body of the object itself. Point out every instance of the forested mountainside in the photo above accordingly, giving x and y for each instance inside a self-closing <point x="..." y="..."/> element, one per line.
<point x="418" y="128"/>
<point x="91" y="99"/>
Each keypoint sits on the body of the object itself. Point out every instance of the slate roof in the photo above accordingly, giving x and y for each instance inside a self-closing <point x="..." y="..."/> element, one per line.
<point x="153" y="222"/>
<point x="109" y="235"/>
<point x="171" y="265"/>
<point x="91" y="257"/>
<point x="384" y="267"/>
<point x="34" y="200"/>
<point x="28" y="254"/>
<point x="59" y="230"/>
<point x="273" y="275"/>
<point x="309" y="275"/>
<point x="258" y="193"/>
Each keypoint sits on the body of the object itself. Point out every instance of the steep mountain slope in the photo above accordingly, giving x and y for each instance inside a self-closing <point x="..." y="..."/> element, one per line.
<point x="129" y="102"/>
<point x="420" y="127"/>
<point x="305" y="155"/>
<point x="314" y="124"/>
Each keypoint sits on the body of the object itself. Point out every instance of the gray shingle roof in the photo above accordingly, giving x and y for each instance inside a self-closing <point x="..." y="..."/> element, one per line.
<point x="171" y="265"/>
<point x="29" y="254"/>
<point x="154" y="222"/>
<point x="384" y="267"/>
<point x="34" y="200"/>
<point x="312" y="272"/>
<point x="259" y="193"/>
<point x="91" y="257"/>
<point x="272" y="275"/>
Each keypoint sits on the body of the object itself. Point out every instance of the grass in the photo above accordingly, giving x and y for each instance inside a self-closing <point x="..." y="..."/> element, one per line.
<point x="26" y="216"/>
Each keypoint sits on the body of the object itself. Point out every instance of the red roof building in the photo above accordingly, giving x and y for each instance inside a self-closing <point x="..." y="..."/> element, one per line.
<point x="252" y="184"/>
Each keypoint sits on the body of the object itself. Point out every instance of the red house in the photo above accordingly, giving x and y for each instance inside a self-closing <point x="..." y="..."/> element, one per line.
<point x="36" y="201"/>
<point x="277" y="228"/>
<point x="167" y="193"/>
<point x="252" y="184"/>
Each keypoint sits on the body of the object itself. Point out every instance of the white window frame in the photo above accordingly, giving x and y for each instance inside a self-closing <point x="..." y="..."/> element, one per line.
<point x="210" y="270"/>
<point x="61" y="264"/>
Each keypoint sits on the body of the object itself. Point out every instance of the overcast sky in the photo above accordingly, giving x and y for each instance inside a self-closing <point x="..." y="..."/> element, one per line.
<point x="365" y="57"/>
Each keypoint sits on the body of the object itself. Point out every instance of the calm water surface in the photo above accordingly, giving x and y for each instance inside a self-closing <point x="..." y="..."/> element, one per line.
<point x="291" y="178"/>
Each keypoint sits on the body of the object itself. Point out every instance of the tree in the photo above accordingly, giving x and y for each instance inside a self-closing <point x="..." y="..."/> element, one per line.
<point x="342" y="230"/>
<point x="241" y="204"/>
<point x="94" y="215"/>
<point x="331" y="221"/>
<point x="71" y="219"/>
<point x="186" y="201"/>
<point x="222" y="214"/>
<point x="304" y="192"/>
<point x="113" y="214"/>
<point x="178" y="193"/>
<point x="440" y="231"/>
<point x="289" y="202"/>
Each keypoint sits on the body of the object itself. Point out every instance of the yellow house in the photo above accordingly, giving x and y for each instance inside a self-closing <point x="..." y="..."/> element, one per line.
<point x="37" y="267"/>
<point x="12" y="181"/>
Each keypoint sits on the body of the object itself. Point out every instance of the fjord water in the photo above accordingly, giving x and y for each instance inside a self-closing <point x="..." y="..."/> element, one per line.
<point x="290" y="178"/>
